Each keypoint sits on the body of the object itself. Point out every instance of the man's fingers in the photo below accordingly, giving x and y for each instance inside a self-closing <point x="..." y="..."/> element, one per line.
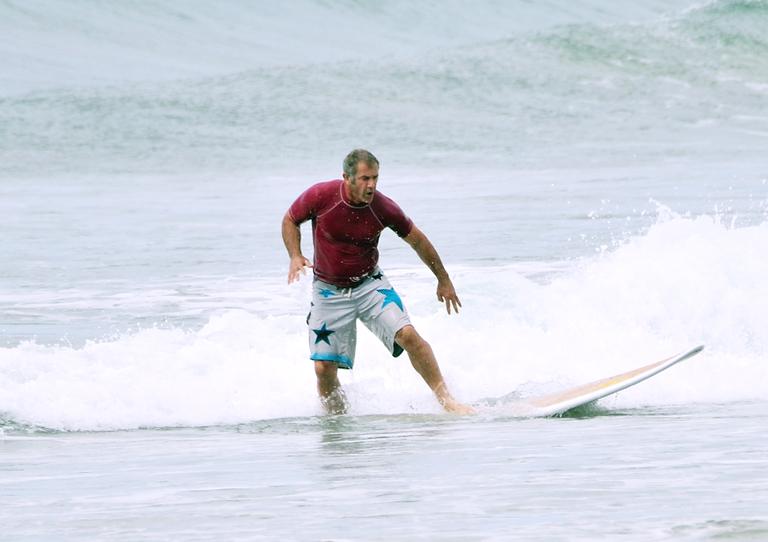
<point x="293" y="275"/>
<point x="294" y="270"/>
<point x="451" y="301"/>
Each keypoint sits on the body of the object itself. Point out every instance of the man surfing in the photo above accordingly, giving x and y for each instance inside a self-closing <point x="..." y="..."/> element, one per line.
<point x="348" y="217"/>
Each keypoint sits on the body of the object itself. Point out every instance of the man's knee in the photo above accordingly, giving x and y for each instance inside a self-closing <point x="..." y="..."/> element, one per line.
<point x="325" y="370"/>
<point x="408" y="338"/>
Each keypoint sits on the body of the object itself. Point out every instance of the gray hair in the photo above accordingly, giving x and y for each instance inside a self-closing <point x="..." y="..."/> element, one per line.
<point x="356" y="156"/>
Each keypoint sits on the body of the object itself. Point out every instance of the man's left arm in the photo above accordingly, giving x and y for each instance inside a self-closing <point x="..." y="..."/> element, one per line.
<point x="445" y="291"/>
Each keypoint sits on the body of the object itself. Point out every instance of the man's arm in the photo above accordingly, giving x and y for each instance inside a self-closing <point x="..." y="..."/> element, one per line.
<point x="428" y="254"/>
<point x="292" y="240"/>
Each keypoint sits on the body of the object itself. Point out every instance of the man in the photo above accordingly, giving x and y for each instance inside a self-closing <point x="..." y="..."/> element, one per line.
<point x="347" y="218"/>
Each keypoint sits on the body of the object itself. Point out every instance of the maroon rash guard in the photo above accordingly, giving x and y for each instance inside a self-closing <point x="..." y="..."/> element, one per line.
<point x="346" y="236"/>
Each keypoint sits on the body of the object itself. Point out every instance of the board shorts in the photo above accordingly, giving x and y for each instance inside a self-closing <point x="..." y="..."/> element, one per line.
<point x="332" y="320"/>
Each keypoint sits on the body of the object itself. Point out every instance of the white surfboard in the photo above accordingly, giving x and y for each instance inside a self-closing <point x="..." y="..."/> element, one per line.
<point x="558" y="403"/>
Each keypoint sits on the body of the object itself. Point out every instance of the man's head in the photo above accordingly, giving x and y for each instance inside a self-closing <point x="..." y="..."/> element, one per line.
<point x="361" y="173"/>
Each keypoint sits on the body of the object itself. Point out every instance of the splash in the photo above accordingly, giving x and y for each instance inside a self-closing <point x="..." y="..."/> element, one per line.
<point x="687" y="280"/>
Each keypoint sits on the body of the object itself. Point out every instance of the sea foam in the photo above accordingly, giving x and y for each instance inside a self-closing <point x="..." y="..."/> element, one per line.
<point x="524" y="328"/>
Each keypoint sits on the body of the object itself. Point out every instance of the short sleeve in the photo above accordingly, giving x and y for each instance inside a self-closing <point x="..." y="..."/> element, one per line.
<point x="305" y="206"/>
<point x="401" y="225"/>
<point x="393" y="217"/>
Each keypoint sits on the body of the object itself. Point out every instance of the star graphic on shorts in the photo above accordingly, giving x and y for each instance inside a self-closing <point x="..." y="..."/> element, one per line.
<point x="390" y="296"/>
<point x="377" y="276"/>
<point x="326" y="293"/>
<point x="323" y="334"/>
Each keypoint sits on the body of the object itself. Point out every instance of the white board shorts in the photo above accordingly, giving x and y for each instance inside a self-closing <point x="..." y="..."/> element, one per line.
<point x="332" y="320"/>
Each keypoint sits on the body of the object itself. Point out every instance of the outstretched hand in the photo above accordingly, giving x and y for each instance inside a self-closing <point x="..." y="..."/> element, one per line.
<point x="446" y="293"/>
<point x="297" y="267"/>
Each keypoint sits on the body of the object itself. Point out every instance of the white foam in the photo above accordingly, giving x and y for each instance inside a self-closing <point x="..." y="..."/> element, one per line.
<point x="686" y="281"/>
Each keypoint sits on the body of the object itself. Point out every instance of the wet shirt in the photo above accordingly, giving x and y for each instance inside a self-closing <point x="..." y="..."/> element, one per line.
<point x="346" y="236"/>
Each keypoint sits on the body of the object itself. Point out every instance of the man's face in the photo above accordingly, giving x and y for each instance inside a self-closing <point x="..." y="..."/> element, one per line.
<point x="362" y="186"/>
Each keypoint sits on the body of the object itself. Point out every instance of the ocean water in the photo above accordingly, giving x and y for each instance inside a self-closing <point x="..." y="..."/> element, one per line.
<point x="594" y="175"/>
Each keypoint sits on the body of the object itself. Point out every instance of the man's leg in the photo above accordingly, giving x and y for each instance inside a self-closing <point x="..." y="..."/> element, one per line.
<point x="331" y="395"/>
<point x="332" y="332"/>
<point x="423" y="360"/>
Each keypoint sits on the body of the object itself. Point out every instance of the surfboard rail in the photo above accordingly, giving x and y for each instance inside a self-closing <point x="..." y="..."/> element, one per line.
<point x="560" y="402"/>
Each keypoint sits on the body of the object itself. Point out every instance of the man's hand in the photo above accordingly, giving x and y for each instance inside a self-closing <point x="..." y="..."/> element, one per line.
<point x="447" y="294"/>
<point x="296" y="267"/>
<point x="426" y="251"/>
<point x="292" y="240"/>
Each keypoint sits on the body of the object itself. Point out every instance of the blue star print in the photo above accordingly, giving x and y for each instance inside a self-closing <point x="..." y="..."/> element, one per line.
<point x="323" y="334"/>
<point x="326" y="293"/>
<point x="390" y="296"/>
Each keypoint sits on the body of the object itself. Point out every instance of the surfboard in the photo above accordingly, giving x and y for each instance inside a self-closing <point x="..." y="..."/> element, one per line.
<point x="558" y="403"/>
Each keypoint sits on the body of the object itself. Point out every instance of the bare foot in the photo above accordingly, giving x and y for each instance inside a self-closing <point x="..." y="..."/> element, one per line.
<point x="454" y="407"/>
<point x="335" y="402"/>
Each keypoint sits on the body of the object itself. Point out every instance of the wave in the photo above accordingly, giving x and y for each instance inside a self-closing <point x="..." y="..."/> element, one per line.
<point x="82" y="43"/>
<point x="691" y="83"/>
<point x="687" y="280"/>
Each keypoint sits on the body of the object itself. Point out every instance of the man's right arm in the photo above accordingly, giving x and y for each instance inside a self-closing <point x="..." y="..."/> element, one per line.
<point x="292" y="240"/>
